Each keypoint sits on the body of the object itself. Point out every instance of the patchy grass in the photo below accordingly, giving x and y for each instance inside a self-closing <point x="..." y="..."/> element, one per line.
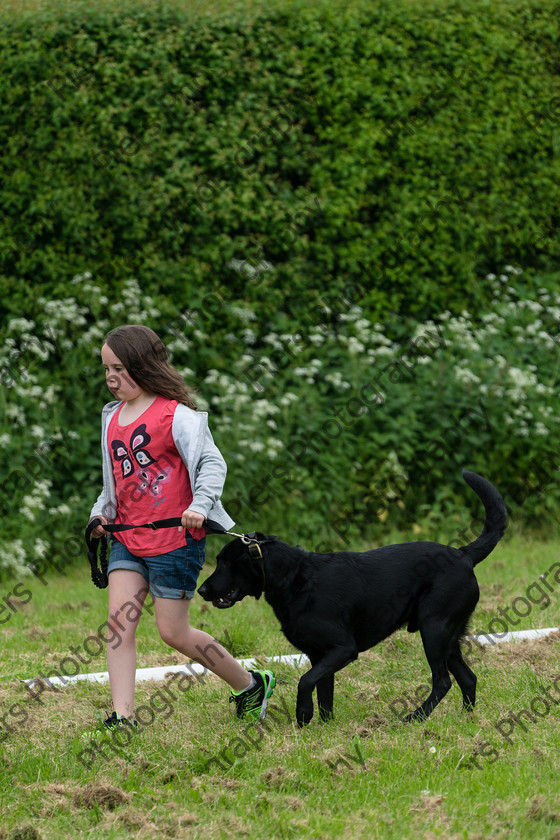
<point x="194" y="771"/>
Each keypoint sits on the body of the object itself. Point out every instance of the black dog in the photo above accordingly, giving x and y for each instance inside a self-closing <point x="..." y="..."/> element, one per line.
<point x="332" y="606"/>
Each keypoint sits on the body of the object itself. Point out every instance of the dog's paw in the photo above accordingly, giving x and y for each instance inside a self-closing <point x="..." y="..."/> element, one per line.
<point x="304" y="713"/>
<point x="418" y="716"/>
<point x="326" y="714"/>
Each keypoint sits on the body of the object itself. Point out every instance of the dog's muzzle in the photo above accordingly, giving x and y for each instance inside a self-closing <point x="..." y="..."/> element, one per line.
<point x="227" y="601"/>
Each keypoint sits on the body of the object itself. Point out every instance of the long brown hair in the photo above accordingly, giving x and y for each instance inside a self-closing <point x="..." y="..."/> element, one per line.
<point x="145" y="358"/>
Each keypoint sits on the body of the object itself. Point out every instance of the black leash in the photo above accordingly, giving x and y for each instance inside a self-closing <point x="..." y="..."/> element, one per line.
<point x="99" y="569"/>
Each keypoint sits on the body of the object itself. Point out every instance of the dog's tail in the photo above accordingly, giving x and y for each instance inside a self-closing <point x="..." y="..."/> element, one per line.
<point x="496" y="518"/>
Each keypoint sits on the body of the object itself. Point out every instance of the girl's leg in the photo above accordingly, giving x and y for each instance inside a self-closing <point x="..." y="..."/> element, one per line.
<point x="172" y="618"/>
<point x="127" y="591"/>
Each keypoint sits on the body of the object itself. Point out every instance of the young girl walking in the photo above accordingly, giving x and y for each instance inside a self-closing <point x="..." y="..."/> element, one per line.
<point x="160" y="461"/>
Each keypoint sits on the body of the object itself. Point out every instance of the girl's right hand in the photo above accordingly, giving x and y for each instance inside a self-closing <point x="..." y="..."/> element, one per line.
<point x="98" y="531"/>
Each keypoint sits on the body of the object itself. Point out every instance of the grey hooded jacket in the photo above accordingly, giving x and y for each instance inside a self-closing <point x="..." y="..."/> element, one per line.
<point x="204" y="461"/>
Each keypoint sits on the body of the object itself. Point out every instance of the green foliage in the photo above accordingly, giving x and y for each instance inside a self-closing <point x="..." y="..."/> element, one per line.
<point x="164" y="142"/>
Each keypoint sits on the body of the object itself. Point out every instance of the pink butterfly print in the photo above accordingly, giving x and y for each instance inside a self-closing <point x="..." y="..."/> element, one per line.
<point x="153" y="482"/>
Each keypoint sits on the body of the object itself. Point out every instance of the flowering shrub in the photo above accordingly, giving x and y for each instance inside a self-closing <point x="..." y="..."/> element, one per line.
<point x="333" y="431"/>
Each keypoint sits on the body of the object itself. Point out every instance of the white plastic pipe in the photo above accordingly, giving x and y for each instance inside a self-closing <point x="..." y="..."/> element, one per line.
<point x="514" y="636"/>
<point x="297" y="660"/>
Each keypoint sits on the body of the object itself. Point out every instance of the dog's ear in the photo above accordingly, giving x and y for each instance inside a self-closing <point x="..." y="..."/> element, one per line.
<point x="260" y="537"/>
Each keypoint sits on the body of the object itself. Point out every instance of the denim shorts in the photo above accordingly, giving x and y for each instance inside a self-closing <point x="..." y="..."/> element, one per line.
<point x="171" y="575"/>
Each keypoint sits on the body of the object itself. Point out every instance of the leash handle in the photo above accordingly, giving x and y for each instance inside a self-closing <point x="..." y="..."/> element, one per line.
<point x="209" y="525"/>
<point x="99" y="574"/>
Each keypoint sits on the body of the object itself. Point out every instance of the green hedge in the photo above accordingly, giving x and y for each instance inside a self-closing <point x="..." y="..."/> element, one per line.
<point x="408" y="147"/>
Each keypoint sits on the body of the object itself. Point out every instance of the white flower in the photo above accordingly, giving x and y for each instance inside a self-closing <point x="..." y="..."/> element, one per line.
<point x="521" y="378"/>
<point x="13" y="556"/>
<point x="337" y="380"/>
<point x="50" y="394"/>
<point x="262" y="408"/>
<point x="382" y="351"/>
<point x="63" y="509"/>
<point x="272" y="339"/>
<point x="21" y="325"/>
<point x="249" y="337"/>
<point x="533" y="305"/>
<point x="16" y="413"/>
<point x="93" y="335"/>
<point x="354" y="346"/>
<point x="288" y="398"/>
<point x="242" y="312"/>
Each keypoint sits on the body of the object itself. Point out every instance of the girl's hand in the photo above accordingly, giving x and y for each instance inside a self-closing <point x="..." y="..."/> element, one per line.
<point x="191" y="519"/>
<point x="99" y="530"/>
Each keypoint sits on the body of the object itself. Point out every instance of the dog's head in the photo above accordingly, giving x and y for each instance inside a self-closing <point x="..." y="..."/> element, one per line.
<point x="239" y="571"/>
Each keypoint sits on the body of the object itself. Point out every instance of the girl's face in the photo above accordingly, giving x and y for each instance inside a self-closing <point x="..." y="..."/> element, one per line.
<point x="118" y="381"/>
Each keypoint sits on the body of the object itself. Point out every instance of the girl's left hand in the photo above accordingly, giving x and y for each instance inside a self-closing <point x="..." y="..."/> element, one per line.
<point x="191" y="519"/>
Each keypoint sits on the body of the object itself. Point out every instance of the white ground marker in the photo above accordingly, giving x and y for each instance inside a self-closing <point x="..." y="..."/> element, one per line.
<point x="297" y="660"/>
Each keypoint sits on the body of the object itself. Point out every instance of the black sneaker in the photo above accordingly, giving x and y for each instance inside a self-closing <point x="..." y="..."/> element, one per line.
<point x="252" y="702"/>
<point x="115" y="722"/>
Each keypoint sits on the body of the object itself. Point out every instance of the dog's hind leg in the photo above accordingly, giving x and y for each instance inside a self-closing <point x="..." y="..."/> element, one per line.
<point x="466" y="680"/>
<point x="435" y="639"/>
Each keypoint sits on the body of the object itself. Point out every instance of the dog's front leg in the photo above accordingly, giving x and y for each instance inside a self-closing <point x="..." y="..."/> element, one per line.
<point x="325" y="697"/>
<point x="322" y="670"/>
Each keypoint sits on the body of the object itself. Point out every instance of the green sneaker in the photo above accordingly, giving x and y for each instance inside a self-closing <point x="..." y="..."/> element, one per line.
<point x="116" y="722"/>
<point x="105" y="728"/>
<point x="252" y="702"/>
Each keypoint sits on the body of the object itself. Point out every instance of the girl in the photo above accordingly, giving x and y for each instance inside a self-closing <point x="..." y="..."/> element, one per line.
<point x="159" y="461"/>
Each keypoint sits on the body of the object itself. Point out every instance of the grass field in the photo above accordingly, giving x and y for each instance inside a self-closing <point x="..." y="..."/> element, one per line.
<point x="194" y="771"/>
